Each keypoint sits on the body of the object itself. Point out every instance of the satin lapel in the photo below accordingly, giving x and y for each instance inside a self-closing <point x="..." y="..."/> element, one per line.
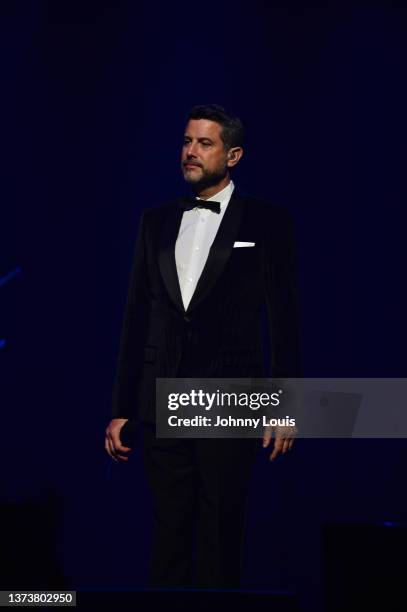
<point x="166" y="256"/>
<point x="220" y="250"/>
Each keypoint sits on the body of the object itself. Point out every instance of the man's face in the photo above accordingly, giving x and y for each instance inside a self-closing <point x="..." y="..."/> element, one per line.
<point x="204" y="158"/>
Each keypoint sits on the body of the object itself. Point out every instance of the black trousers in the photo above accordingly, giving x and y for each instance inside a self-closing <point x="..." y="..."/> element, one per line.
<point x="199" y="489"/>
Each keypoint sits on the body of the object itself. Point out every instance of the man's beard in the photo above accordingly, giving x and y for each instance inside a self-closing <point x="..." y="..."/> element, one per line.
<point x="208" y="178"/>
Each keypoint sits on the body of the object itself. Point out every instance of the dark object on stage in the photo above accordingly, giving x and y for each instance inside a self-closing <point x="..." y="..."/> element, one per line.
<point x="365" y="566"/>
<point x="188" y="601"/>
<point x="29" y="536"/>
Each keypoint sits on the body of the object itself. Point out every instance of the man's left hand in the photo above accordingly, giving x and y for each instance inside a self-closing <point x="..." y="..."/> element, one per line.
<point x="283" y="439"/>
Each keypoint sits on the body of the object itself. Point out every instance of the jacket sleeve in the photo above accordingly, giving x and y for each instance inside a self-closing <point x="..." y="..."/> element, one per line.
<point x="282" y="298"/>
<point x="133" y="334"/>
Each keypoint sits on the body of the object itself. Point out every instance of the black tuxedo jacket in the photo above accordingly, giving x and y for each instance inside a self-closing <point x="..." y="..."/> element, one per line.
<point x="220" y="334"/>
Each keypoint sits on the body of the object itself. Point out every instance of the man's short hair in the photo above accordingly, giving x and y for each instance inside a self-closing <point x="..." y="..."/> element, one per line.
<point x="232" y="133"/>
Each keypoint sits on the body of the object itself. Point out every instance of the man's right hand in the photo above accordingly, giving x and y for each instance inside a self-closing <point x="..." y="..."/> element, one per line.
<point x="113" y="445"/>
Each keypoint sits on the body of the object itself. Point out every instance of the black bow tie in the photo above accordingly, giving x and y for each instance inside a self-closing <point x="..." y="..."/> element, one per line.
<point x="190" y="203"/>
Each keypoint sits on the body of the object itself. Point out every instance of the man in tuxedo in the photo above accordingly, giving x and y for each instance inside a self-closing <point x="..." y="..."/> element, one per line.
<point x="208" y="272"/>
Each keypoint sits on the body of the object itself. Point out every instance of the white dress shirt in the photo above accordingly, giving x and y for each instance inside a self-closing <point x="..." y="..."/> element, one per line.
<point x="196" y="234"/>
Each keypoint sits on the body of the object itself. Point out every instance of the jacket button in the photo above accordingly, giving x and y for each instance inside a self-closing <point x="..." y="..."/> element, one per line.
<point x="187" y="319"/>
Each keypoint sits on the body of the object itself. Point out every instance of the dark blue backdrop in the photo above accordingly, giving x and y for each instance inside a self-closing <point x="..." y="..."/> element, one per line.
<point x="94" y="98"/>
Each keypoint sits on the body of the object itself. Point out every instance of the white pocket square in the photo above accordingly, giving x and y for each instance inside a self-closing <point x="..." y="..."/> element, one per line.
<point x="243" y="244"/>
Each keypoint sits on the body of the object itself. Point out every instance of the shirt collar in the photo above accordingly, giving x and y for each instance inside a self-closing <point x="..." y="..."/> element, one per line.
<point x="223" y="196"/>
